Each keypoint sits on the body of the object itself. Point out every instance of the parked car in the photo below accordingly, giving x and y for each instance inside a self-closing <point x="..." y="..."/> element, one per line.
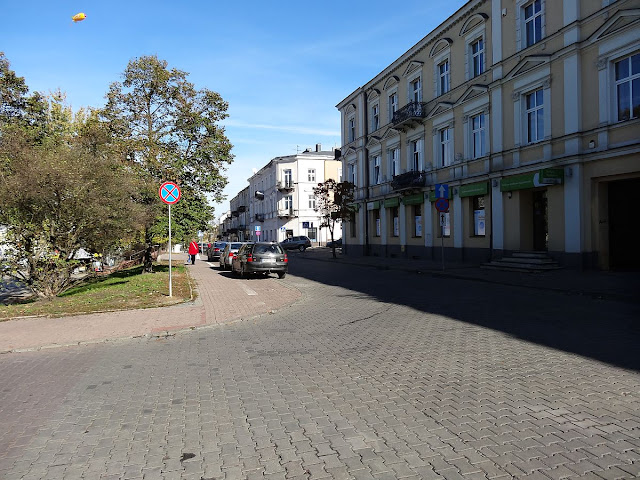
<point x="296" y="243"/>
<point x="337" y="243"/>
<point x="214" y="251"/>
<point x="260" y="257"/>
<point x="204" y="246"/>
<point x="230" y="250"/>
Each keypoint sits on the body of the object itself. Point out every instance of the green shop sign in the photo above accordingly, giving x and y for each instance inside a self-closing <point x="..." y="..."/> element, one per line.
<point x="415" y="199"/>
<point x="541" y="178"/>
<point x="474" y="189"/>
<point x="391" y="202"/>
<point x="373" y="205"/>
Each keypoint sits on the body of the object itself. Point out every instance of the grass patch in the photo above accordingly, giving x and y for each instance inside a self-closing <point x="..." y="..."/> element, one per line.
<point x="122" y="290"/>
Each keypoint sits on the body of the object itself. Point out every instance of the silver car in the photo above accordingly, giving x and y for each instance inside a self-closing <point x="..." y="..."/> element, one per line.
<point x="229" y="251"/>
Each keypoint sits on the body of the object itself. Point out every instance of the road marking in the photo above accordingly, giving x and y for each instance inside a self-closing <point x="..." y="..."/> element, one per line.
<point x="247" y="290"/>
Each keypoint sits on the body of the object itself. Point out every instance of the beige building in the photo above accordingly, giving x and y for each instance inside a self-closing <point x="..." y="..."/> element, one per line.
<point x="527" y="113"/>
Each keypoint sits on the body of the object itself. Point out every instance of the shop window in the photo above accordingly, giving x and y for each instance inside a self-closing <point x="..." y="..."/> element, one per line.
<point x="417" y="221"/>
<point x="478" y="216"/>
<point x="312" y="233"/>
<point x="376" y="222"/>
<point x="395" y="222"/>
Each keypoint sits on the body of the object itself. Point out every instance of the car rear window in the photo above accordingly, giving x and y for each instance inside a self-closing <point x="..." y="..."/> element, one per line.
<point x="235" y="246"/>
<point x="275" y="248"/>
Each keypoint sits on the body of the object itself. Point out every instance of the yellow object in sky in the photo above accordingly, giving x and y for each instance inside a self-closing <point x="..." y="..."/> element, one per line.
<point x="78" y="17"/>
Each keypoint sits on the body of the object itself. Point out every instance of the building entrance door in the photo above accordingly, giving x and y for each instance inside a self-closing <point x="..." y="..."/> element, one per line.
<point x="540" y="223"/>
<point x="624" y="224"/>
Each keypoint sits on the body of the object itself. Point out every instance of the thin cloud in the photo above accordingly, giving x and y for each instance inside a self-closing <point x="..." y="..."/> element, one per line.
<point x="284" y="128"/>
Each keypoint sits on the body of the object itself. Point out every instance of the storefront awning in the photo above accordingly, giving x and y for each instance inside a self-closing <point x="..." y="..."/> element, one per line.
<point x="373" y="205"/>
<point x="391" y="202"/>
<point x="415" y="199"/>
<point x="474" y="189"/>
<point x="541" y="178"/>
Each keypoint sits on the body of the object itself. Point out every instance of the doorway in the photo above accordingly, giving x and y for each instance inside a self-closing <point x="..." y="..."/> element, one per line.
<point x="624" y="220"/>
<point x="540" y="221"/>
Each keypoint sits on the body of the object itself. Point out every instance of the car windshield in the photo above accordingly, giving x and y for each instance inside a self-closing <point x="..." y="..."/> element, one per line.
<point x="274" y="248"/>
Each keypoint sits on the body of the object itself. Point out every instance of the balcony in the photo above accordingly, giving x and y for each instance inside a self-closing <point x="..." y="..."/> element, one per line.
<point x="242" y="208"/>
<point x="409" y="180"/>
<point x="285" y="186"/>
<point x="260" y="217"/>
<point x="409" y="116"/>
<point x="286" y="213"/>
<point x="235" y="213"/>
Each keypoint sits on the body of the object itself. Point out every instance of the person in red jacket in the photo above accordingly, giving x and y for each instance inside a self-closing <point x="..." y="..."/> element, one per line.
<point x="193" y="250"/>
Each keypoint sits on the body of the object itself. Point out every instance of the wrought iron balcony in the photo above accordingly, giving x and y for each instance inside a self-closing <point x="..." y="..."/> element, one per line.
<point x="412" y="179"/>
<point x="260" y="217"/>
<point x="286" y="185"/>
<point x="286" y="213"/>
<point x="242" y="208"/>
<point x="409" y="116"/>
<point x="235" y="213"/>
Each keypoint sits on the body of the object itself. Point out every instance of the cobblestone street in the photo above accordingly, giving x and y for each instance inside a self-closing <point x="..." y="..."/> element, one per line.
<point x="371" y="374"/>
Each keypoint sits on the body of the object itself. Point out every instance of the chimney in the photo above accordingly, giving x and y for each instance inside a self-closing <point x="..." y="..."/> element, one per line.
<point x="318" y="147"/>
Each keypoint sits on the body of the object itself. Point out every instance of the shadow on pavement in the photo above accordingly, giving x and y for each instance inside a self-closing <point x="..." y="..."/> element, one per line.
<point x="606" y="331"/>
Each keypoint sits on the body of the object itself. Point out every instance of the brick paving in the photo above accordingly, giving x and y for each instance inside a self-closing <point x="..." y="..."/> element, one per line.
<point x="366" y="375"/>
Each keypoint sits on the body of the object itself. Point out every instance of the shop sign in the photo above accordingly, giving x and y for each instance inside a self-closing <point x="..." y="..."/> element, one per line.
<point x="552" y="176"/>
<point x="391" y="202"/>
<point x="415" y="199"/>
<point x="546" y="176"/>
<point x="373" y="205"/>
<point x="474" y="189"/>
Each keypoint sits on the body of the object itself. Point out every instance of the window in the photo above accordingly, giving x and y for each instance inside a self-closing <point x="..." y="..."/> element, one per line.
<point x="393" y="105"/>
<point x="312" y="233"/>
<point x="477" y="57"/>
<point x="375" y="117"/>
<point x="311" y="174"/>
<point x="478" y="216"/>
<point x="443" y="71"/>
<point x="535" y="116"/>
<point x="417" y="220"/>
<point x="446" y="147"/>
<point x="533" y="23"/>
<point x="415" y="147"/>
<point x="394" y="159"/>
<point x="478" y="144"/>
<point x="351" y="172"/>
<point x="352" y="129"/>
<point x="352" y="225"/>
<point x="376" y="170"/>
<point x="395" y="222"/>
<point x="288" y="202"/>
<point x="627" y="75"/>
<point x="312" y="201"/>
<point x="376" y="222"/>
<point x="288" y="178"/>
<point x="415" y="89"/>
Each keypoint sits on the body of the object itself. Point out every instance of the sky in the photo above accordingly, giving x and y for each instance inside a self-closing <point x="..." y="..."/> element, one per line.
<point x="282" y="65"/>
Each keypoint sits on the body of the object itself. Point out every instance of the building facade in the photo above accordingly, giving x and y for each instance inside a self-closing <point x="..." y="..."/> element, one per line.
<point x="529" y="111"/>
<point x="279" y="201"/>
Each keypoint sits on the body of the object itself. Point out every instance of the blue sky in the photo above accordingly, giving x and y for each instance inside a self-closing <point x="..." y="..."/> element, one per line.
<point x="281" y="65"/>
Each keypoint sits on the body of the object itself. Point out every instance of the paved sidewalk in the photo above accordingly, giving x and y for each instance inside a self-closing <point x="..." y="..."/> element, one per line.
<point x="218" y="301"/>
<point x="619" y="286"/>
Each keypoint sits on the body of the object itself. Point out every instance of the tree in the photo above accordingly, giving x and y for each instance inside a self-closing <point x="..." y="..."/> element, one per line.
<point x="169" y="131"/>
<point x="333" y="203"/>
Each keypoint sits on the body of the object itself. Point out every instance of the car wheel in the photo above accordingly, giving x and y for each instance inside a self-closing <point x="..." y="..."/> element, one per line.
<point x="281" y="274"/>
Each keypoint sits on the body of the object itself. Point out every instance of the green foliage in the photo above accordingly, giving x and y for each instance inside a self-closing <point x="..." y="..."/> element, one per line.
<point x="333" y="203"/>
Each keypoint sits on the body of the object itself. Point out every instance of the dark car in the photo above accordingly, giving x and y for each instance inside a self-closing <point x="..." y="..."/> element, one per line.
<point x="296" y="243"/>
<point x="260" y="257"/>
<point x="337" y="243"/>
<point x="214" y="251"/>
<point x="230" y="250"/>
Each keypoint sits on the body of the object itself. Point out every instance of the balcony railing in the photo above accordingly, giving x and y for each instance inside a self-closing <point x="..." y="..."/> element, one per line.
<point x="286" y="185"/>
<point x="260" y="217"/>
<point x="235" y="213"/>
<point x="412" y="179"/>
<point x="410" y="115"/>
<point x="242" y="208"/>
<point x="286" y="213"/>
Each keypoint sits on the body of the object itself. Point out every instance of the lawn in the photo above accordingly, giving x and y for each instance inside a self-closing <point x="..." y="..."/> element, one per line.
<point x="122" y="290"/>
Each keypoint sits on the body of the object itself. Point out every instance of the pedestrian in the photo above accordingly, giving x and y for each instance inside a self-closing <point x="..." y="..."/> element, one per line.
<point x="193" y="250"/>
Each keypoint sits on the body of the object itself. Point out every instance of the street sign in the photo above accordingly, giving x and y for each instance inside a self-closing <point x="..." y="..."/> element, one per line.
<point x="258" y="228"/>
<point x="258" y="232"/>
<point x="442" y="190"/>
<point x="305" y="224"/>
<point x="169" y="193"/>
<point x="442" y="205"/>
<point x="443" y="219"/>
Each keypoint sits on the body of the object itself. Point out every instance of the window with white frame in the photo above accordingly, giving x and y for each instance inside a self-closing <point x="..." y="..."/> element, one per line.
<point x="311" y="174"/>
<point x="627" y="78"/>
<point x="352" y="173"/>
<point x="477" y="57"/>
<point x="312" y="201"/>
<point x="288" y="178"/>
<point x="376" y="174"/>
<point x="415" y="90"/>
<point x="375" y="117"/>
<point x="532" y="14"/>
<point x="446" y="146"/>
<point x="394" y="162"/>
<point x="393" y="104"/>
<point x="535" y="116"/>
<point x="478" y="135"/>
<point x="443" y="77"/>
<point x="288" y="202"/>
<point x="415" y="150"/>
<point x="351" y="129"/>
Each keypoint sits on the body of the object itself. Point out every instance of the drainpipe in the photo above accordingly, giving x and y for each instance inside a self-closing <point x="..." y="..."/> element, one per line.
<point x="367" y="246"/>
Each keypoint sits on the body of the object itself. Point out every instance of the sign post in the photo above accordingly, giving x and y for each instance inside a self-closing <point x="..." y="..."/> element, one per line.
<point x="169" y="194"/>
<point x="442" y="206"/>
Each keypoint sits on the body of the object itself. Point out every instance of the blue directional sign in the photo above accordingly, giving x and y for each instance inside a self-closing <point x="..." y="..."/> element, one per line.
<point x="442" y="190"/>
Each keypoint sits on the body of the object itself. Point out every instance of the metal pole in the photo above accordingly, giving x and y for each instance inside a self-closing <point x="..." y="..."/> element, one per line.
<point x="170" y="290"/>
